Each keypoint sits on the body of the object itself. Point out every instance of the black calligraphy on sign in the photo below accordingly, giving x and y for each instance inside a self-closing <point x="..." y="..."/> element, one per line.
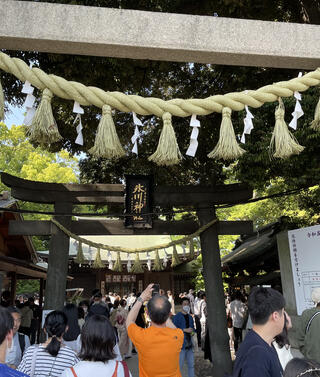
<point x="138" y="201"/>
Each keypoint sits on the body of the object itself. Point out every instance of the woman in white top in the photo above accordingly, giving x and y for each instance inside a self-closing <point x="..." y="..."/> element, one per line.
<point x="97" y="344"/>
<point x="281" y="343"/>
<point x="52" y="357"/>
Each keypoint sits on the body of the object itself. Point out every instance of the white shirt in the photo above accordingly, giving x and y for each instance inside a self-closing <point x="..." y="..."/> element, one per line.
<point x="96" y="369"/>
<point x="197" y="306"/>
<point x="14" y="355"/>
<point x="238" y="313"/>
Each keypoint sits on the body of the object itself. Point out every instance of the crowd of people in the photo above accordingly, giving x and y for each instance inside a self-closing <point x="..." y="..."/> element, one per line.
<point x="98" y="335"/>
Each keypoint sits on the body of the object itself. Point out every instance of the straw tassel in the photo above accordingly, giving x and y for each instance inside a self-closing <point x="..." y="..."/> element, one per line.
<point x="191" y="249"/>
<point x="137" y="268"/>
<point x="175" y="257"/>
<point x="283" y="144"/>
<point x="227" y="147"/>
<point x="157" y="262"/>
<point x="44" y="129"/>
<point x="315" y="124"/>
<point x="97" y="260"/>
<point x="1" y="103"/>
<point x="167" y="152"/>
<point x="107" y="143"/>
<point x="118" y="264"/>
<point x="80" y="256"/>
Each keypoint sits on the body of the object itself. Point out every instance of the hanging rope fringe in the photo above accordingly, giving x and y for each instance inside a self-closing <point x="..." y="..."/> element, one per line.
<point x="227" y="147"/>
<point x="97" y="260"/>
<point x="315" y="124"/>
<point x="191" y="249"/>
<point x="44" y="129"/>
<point x="137" y="268"/>
<point x="134" y="251"/>
<point x="107" y="143"/>
<point x="1" y="103"/>
<point x="283" y="144"/>
<point x="157" y="262"/>
<point x="80" y="256"/>
<point x="175" y="257"/>
<point x="118" y="264"/>
<point x="167" y="152"/>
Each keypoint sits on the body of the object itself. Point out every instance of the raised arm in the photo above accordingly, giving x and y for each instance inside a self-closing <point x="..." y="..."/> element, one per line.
<point x="145" y="296"/>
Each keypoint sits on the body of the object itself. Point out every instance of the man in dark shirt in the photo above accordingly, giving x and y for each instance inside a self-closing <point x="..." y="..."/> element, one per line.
<point x="256" y="355"/>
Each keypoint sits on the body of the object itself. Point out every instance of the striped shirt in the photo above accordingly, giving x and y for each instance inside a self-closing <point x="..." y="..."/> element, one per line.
<point x="47" y="365"/>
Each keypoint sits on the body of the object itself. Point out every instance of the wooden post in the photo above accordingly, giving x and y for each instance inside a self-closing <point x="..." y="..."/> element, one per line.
<point x="58" y="260"/>
<point x="13" y="287"/>
<point x="217" y="322"/>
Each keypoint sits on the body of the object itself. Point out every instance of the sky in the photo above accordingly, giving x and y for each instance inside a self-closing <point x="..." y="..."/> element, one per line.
<point x="14" y="116"/>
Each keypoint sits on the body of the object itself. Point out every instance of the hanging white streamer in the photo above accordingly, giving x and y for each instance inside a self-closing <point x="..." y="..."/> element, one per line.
<point x="129" y="262"/>
<point x="248" y="124"/>
<point x="148" y="262"/>
<point x="90" y="255"/>
<point x="137" y="122"/>
<point x="165" y="259"/>
<point x="111" y="265"/>
<point x="298" y="112"/>
<point x="77" y="109"/>
<point x="183" y="249"/>
<point x="28" y="103"/>
<point x="195" y="124"/>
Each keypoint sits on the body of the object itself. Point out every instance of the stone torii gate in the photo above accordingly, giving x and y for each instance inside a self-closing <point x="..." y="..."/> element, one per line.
<point x="200" y="198"/>
<point x="160" y="36"/>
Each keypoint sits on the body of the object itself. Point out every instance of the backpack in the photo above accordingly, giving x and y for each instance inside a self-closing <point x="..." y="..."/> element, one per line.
<point x="22" y="342"/>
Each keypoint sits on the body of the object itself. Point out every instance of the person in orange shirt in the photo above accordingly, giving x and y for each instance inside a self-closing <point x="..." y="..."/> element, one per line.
<point x="159" y="345"/>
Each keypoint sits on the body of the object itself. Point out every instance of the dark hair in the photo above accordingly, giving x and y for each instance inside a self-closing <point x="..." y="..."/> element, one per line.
<point x="202" y="295"/>
<point x="238" y="295"/>
<point x="299" y="367"/>
<point x="55" y="326"/>
<point x="97" y="339"/>
<point x="7" y="323"/>
<point x="185" y="299"/>
<point x="71" y="311"/>
<point x="80" y="312"/>
<point x="97" y="295"/>
<point x="159" y="309"/>
<point x="282" y="339"/>
<point x="123" y="302"/>
<point x="13" y="309"/>
<point x="116" y="304"/>
<point x="262" y="303"/>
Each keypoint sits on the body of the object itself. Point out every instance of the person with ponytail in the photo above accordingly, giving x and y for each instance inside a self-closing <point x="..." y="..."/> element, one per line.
<point x="97" y="354"/>
<point x="51" y="358"/>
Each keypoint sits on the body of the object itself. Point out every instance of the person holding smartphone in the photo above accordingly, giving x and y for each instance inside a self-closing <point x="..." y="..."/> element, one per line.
<point x="160" y="344"/>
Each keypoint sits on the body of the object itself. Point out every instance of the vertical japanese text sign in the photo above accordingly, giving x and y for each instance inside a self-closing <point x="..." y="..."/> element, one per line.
<point x="139" y="201"/>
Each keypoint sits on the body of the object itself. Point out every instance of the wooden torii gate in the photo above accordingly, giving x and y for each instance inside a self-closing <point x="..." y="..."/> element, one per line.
<point x="202" y="199"/>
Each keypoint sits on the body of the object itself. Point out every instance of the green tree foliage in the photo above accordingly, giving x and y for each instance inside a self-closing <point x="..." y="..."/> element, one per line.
<point x="18" y="157"/>
<point x="28" y="286"/>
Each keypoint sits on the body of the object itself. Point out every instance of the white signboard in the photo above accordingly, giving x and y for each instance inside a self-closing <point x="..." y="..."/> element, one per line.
<point x="305" y="260"/>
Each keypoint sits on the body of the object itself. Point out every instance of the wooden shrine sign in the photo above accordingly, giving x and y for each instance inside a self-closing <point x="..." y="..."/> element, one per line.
<point x="139" y="203"/>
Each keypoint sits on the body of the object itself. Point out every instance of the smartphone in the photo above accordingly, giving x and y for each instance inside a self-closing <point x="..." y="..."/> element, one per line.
<point x="156" y="289"/>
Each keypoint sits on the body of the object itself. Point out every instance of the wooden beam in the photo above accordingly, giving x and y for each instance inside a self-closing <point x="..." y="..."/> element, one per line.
<point x="13" y="181"/>
<point x="29" y="272"/>
<point x="165" y="196"/>
<point x="116" y="227"/>
<point x="51" y="197"/>
<point x="126" y="33"/>
<point x="201" y="195"/>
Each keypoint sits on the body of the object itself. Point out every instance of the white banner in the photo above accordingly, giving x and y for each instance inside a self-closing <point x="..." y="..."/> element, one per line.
<point x="305" y="260"/>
